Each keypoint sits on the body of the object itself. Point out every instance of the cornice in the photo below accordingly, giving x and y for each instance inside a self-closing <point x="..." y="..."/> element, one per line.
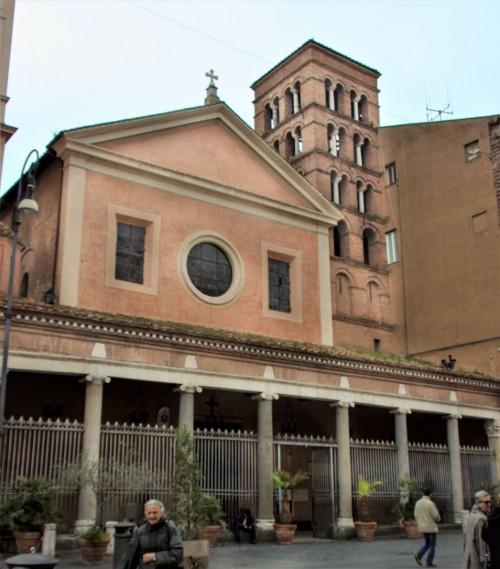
<point x="237" y="344"/>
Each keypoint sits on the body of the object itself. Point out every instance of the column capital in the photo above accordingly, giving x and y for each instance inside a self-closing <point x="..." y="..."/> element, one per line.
<point x="89" y="378"/>
<point x="452" y="416"/>
<point x="265" y="397"/>
<point x="188" y="388"/>
<point x="400" y="411"/>
<point x="492" y="428"/>
<point x="343" y="404"/>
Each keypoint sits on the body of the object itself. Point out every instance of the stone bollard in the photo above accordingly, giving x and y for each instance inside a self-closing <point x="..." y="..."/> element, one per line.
<point x="196" y="554"/>
<point x="465" y="517"/>
<point x="111" y="530"/>
<point x="49" y="539"/>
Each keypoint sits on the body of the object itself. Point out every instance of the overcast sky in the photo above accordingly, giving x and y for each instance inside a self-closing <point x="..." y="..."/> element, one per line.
<point x="82" y="62"/>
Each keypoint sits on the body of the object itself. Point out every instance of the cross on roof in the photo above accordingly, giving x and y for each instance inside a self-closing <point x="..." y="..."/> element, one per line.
<point x="212" y="76"/>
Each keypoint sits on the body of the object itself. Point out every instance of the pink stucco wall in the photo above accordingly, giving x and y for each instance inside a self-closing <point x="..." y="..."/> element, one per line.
<point x="230" y="164"/>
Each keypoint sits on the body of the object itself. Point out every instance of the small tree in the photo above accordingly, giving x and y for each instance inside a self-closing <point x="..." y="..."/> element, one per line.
<point x="285" y="481"/>
<point x="365" y="490"/>
<point x="186" y="490"/>
<point x="409" y="490"/>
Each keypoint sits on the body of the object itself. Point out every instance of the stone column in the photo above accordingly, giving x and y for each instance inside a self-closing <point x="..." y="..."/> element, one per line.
<point x="186" y="405"/>
<point x="355" y="108"/>
<point x="358" y="155"/>
<point x="492" y="429"/>
<point x="87" y="502"/>
<point x="265" y="511"/>
<point x="455" y="467"/>
<point x="336" y="189"/>
<point x="401" y="432"/>
<point x="345" y="523"/>
<point x="361" y="200"/>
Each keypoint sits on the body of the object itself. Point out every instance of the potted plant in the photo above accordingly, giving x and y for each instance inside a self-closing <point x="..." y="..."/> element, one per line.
<point x="405" y="508"/>
<point x="365" y="527"/>
<point x="285" y="481"/>
<point x="29" y="509"/>
<point x="94" y="543"/>
<point x="211" y="520"/>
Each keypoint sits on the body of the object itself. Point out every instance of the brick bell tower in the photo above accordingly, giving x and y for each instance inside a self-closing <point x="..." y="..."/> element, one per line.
<point x="319" y="110"/>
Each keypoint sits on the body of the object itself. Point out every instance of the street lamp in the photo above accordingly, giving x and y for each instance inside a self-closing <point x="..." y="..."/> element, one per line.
<point x="28" y="205"/>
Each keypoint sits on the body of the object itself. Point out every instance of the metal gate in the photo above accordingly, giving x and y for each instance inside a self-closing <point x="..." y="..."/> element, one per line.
<point x="323" y="491"/>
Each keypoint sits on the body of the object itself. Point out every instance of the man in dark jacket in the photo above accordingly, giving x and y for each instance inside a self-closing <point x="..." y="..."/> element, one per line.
<point x="244" y="522"/>
<point x="156" y="544"/>
<point x="491" y="535"/>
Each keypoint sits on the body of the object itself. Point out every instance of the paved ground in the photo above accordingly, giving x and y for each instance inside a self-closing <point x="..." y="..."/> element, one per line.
<point x="391" y="552"/>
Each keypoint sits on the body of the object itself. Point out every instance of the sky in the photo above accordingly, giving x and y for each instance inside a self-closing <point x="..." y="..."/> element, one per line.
<point x="81" y="62"/>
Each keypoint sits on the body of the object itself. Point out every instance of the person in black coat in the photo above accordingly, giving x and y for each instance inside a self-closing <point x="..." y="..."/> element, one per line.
<point x="244" y="522"/>
<point x="491" y="535"/>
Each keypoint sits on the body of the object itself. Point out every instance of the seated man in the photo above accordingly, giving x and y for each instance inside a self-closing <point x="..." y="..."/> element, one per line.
<point x="244" y="522"/>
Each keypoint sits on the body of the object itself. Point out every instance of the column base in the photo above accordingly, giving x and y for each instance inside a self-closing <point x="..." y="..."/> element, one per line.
<point x="265" y="524"/>
<point x="344" y="529"/>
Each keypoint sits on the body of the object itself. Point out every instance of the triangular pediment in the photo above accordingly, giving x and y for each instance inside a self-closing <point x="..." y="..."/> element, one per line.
<point x="208" y="143"/>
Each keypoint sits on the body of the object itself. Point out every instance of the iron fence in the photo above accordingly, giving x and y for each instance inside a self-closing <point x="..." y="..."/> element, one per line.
<point x="137" y="462"/>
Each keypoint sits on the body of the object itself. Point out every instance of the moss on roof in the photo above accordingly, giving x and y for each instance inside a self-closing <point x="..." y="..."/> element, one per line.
<point x="243" y="338"/>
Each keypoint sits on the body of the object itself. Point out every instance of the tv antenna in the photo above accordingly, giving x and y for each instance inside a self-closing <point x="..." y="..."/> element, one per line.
<point x="439" y="112"/>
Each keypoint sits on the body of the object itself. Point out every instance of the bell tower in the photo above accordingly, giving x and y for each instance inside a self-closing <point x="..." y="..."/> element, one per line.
<point x="319" y="110"/>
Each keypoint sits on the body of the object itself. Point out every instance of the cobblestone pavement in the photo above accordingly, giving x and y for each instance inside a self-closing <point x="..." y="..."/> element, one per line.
<point x="391" y="552"/>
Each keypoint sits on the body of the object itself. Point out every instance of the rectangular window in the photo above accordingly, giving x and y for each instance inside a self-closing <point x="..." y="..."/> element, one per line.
<point x="130" y="249"/>
<point x="391" y="239"/>
<point x="279" y="285"/>
<point x="390" y="173"/>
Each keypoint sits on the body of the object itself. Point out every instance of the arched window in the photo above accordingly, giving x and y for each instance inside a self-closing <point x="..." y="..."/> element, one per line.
<point x="294" y="143"/>
<point x="339" y="187"/>
<point x="337" y="249"/>
<point x="365" y="153"/>
<point x="360" y="148"/>
<point x="268" y="117"/>
<point x="363" y="109"/>
<point x="292" y="99"/>
<point x="276" y="146"/>
<point x="343" y="294"/>
<point x="330" y="95"/>
<point x="338" y="98"/>
<point x="369" y="199"/>
<point x="373" y="304"/>
<point x="368" y="242"/>
<point x="275" y="107"/>
<point x="25" y="285"/>
<point x="341" y="240"/>
<point x="332" y="140"/>
<point x="298" y="140"/>
<point x="340" y="142"/>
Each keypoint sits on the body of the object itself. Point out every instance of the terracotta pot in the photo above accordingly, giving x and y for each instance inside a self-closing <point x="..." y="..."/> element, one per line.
<point x="411" y="529"/>
<point x="93" y="552"/>
<point x="26" y="541"/>
<point x="366" y="530"/>
<point x="210" y="533"/>
<point x="284" y="533"/>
